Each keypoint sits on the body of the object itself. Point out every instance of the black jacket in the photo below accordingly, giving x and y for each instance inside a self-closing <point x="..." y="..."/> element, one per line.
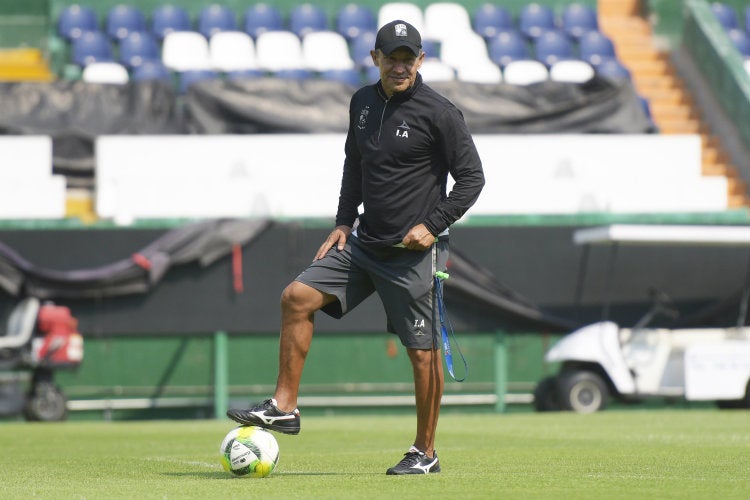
<point x="399" y="152"/>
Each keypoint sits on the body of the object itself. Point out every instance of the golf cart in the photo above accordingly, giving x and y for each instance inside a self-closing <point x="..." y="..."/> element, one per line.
<point x="603" y="360"/>
<point x="40" y="338"/>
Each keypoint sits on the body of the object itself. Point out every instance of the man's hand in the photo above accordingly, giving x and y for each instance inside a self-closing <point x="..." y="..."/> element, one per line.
<point x="418" y="238"/>
<point x="337" y="237"/>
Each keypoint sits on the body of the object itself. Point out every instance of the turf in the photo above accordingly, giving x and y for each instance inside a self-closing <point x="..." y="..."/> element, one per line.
<point x="629" y="454"/>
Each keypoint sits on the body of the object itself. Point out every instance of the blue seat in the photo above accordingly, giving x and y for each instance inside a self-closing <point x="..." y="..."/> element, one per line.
<point x="578" y="19"/>
<point x="491" y="19"/>
<point x="168" y="18"/>
<point x="430" y="49"/>
<point x="508" y="46"/>
<point x="91" y="46"/>
<point x="553" y="46"/>
<point x="74" y="20"/>
<point x="294" y="74"/>
<point x="534" y="19"/>
<point x="354" y="19"/>
<point x="307" y="17"/>
<point x="372" y="74"/>
<point x="741" y="41"/>
<point x="215" y="18"/>
<point x="747" y="19"/>
<point x="245" y="74"/>
<point x="262" y="17"/>
<point x="137" y="48"/>
<point x="189" y="77"/>
<point x="614" y="69"/>
<point x="361" y="47"/>
<point x="124" y="19"/>
<point x="594" y="47"/>
<point x="351" y="76"/>
<point x="151" y="70"/>
<point x="726" y="15"/>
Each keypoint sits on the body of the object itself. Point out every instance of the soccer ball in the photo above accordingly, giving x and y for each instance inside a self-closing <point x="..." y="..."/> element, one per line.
<point x="249" y="451"/>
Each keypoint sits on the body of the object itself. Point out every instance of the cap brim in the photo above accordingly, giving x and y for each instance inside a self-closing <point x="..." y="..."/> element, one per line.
<point x="387" y="49"/>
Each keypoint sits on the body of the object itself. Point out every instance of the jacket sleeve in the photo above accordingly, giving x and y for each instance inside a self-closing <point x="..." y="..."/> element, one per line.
<point x="350" y="196"/>
<point x="457" y="147"/>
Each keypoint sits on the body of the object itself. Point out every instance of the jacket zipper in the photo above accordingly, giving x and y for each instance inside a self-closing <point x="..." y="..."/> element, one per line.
<point x="382" y="116"/>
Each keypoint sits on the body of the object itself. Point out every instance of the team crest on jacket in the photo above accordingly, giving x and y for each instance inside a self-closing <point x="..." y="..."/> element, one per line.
<point x="362" y="123"/>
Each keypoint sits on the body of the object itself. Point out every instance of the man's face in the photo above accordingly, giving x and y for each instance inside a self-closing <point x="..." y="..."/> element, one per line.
<point x="398" y="70"/>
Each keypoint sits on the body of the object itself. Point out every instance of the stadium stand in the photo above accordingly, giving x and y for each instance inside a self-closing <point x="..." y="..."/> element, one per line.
<point x="232" y="51"/>
<point x="122" y="20"/>
<point x="352" y="20"/>
<point x="489" y="20"/>
<point x="262" y="17"/>
<point x="215" y="18"/>
<point x="535" y="19"/>
<point x="578" y="19"/>
<point x="76" y="19"/>
<point x="91" y="46"/>
<point x="185" y="50"/>
<point x="137" y="48"/>
<point x="106" y="72"/>
<point x="307" y="18"/>
<point x="168" y="18"/>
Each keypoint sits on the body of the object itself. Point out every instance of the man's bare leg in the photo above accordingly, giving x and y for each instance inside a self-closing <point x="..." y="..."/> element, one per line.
<point x="428" y="390"/>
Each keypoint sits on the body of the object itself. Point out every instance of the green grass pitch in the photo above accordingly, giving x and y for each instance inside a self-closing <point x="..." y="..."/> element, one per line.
<point x="628" y="454"/>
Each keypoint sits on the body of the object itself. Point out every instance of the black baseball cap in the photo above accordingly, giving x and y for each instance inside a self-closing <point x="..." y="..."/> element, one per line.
<point x="398" y="34"/>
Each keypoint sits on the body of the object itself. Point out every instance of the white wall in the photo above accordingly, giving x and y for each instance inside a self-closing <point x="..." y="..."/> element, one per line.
<point x="28" y="189"/>
<point x="299" y="175"/>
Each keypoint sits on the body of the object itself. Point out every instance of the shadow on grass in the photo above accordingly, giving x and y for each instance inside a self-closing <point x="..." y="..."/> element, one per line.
<point x="225" y="475"/>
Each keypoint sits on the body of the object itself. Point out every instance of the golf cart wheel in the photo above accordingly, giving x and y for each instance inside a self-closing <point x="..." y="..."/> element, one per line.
<point x="45" y="403"/>
<point x="545" y="395"/>
<point x="582" y="391"/>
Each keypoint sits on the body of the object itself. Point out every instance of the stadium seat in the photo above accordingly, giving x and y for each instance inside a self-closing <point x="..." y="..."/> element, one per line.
<point x="231" y="50"/>
<point x="293" y="74"/>
<point x="90" y="47"/>
<point x="480" y="73"/>
<point x="168" y="18"/>
<point x="595" y="47"/>
<point x="189" y="77"/>
<point x="578" y="19"/>
<point x="430" y="49"/>
<point x="354" y="19"/>
<point x="746" y="64"/>
<point x="534" y="19"/>
<point x="726" y="15"/>
<point x="105" y="72"/>
<point x="552" y="46"/>
<point x="74" y="20"/>
<point x="571" y="71"/>
<point x="277" y="50"/>
<point x="445" y="19"/>
<point x="361" y="47"/>
<point x="124" y="19"/>
<point x="612" y="68"/>
<point x="741" y="41"/>
<point x="185" y="50"/>
<point x="262" y="17"/>
<point x="434" y="70"/>
<point x="491" y="19"/>
<point x="406" y="11"/>
<point x="307" y="18"/>
<point x="525" y="72"/>
<point x="138" y="47"/>
<point x="323" y="50"/>
<point x="215" y="18"/>
<point x="508" y="46"/>
<point x="349" y="76"/>
<point x="464" y="51"/>
<point x="372" y="74"/>
<point x="747" y="19"/>
<point x="151" y="70"/>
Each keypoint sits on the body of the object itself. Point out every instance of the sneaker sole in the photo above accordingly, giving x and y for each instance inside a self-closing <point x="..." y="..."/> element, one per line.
<point x="270" y="427"/>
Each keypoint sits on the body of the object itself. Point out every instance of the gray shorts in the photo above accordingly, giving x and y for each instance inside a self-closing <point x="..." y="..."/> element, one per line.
<point x="404" y="280"/>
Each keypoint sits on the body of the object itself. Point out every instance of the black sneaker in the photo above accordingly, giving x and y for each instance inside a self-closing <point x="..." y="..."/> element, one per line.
<point x="415" y="462"/>
<point x="268" y="416"/>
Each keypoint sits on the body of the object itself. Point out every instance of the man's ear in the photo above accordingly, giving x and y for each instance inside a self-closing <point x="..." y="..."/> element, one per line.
<point x="375" y="58"/>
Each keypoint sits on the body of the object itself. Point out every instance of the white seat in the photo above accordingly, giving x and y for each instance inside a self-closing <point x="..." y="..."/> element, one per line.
<point x="232" y="51"/>
<point x="433" y="70"/>
<point x="445" y="19"/>
<point x="525" y="72"/>
<point x="185" y="50"/>
<point x="572" y="71"/>
<point x="747" y="65"/>
<point x="105" y="72"/>
<point x="464" y="51"/>
<point x="277" y="50"/>
<point x="405" y="11"/>
<point x="323" y="50"/>
<point x="481" y="73"/>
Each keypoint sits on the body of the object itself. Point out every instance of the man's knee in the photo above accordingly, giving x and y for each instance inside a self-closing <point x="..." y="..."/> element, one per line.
<point x="299" y="297"/>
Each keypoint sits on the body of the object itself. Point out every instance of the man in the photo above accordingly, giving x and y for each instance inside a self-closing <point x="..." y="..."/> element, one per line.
<point x="402" y="142"/>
